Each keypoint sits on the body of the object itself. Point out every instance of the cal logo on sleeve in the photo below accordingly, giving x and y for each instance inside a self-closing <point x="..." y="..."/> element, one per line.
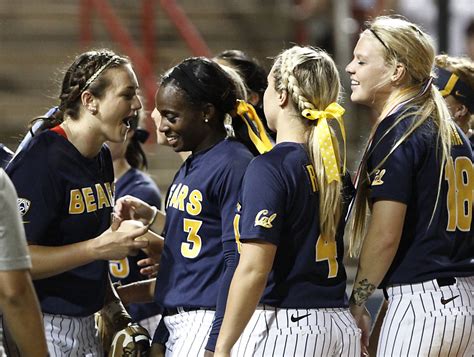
<point x="378" y="178"/>
<point x="263" y="219"/>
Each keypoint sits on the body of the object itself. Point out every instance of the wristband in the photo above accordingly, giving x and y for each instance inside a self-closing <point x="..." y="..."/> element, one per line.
<point x="155" y="213"/>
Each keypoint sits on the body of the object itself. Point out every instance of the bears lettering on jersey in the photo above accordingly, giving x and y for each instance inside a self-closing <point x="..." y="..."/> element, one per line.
<point x="90" y="199"/>
<point x="179" y="194"/>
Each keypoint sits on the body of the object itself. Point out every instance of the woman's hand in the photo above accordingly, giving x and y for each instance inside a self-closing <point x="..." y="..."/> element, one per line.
<point x="363" y="321"/>
<point x="129" y="207"/>
<point x="117" y="244"/>
<point x="149" y="267"/>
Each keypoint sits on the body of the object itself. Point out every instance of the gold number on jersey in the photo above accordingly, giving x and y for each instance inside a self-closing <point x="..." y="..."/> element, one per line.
<point x="192" y="247"/>
<point x="119" y="268"/>
<point x="327" y="250"/>
<point x="460" y="177"/>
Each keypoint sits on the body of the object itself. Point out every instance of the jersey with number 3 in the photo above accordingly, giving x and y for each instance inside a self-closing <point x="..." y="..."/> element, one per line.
<point x="280" y="205"/>
<point x="437" y="239"/>
<point x="200" y="209"/>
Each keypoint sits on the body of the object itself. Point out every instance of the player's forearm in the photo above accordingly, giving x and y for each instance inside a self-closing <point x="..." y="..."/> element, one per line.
<point x="138" y="292"/>
<point x="245" y="292"/>
<point x="49" y="261"/>
<point x="374" y="262"/>
<point x="155" y="245"/>
<point x="159" y="222"/>
<point x="379" y="249"/>
<point x="22" y="314"/>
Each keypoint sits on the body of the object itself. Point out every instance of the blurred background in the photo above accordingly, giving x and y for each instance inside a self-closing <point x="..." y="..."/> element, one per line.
<point x="39" y="39"/>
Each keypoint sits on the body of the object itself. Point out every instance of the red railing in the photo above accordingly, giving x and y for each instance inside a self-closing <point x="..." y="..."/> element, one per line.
<point x="142" y="59"/>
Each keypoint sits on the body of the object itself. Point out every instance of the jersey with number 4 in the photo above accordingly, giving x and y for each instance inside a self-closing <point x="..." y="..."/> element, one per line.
<point x="280" y="205"/>
<point x="437" y="239"/>
<point x="200" y="209"/>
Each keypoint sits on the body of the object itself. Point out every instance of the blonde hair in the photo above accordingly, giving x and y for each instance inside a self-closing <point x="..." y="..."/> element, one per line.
<point x="463" y="67"/>
<point x="241" y="89"/>
<point x="310" y="77"/>
<point x="404" y="43"/>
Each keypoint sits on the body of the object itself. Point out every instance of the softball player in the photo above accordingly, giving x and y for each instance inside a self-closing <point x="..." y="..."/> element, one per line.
<point x="255" y="79"/>
<point x="128" y="161"/>
<point x="418" y="177"/>
<point x="64" y="178"/>
<point x="198" y="257"/>
<point x="455" y="81"/>
<point x="290" y="222"/>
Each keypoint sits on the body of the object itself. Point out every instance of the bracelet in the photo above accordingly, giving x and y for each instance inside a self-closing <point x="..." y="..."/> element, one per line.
<point x="155" y="213"/>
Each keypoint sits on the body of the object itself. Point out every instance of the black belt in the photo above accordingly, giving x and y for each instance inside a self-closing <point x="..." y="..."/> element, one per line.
<point x="441" y="282"/>
<point x="446" y="281"/>
<point x="177" y="310"/>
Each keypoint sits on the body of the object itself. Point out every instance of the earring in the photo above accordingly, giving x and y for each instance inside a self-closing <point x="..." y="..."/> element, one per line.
<point x="93" y="110"/>
<point x="206" y="120"/>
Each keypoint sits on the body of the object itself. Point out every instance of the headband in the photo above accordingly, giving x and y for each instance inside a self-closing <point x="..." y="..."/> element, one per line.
<point x="378" y="38"/>
<point x="98" y="72"/>
<point x="449" y="83"/>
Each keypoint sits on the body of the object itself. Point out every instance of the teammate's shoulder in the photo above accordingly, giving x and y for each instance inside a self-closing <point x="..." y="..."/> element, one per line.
<point x="235" y="146"/>
<point x="3" y="179"/>
<point x="5" y="156"/>
<point x="230" y="152"/>
<point x="40" y="148"/>
<point x="137" y="178"/>
<point x="283" y="154"/>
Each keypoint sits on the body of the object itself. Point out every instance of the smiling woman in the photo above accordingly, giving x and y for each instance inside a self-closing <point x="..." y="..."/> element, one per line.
<point x="67" y="205"/>
<point x="198" y="260"/>
<point x="417" y="178"/>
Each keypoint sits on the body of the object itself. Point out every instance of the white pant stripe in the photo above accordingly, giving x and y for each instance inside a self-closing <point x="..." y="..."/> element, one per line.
<point x="274" y="332"/>
<point x="71" y="336"/>
<point x="425" y="319"/>
<point x="189" y="332"/>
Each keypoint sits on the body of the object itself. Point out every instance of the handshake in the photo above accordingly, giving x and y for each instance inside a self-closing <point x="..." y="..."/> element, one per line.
<point x="130" y="231"/>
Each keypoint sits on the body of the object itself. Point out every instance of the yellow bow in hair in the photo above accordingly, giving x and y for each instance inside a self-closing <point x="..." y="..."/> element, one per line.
<point x="323" y="133"/>
<point x="255" y="128"/>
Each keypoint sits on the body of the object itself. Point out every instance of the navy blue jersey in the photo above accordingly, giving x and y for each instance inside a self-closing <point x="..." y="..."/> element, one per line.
<point x="5" y="156"/>
<point x="471" y="140"/>
<point x="280" y="205"/>
<point x="65" y="198"/>
<point x="138" y="184"/>
<point x="444" y="247"/>
<point x="200" y="208"/>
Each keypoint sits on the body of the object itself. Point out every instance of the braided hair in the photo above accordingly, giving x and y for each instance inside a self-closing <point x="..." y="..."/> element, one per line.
<point x="311" y="79"/>
<point x="85" y="73"/>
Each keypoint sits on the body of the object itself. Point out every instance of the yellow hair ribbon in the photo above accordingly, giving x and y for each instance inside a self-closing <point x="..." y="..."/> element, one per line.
<point x="259" y="136"/>
<point x="323" y="133"/>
